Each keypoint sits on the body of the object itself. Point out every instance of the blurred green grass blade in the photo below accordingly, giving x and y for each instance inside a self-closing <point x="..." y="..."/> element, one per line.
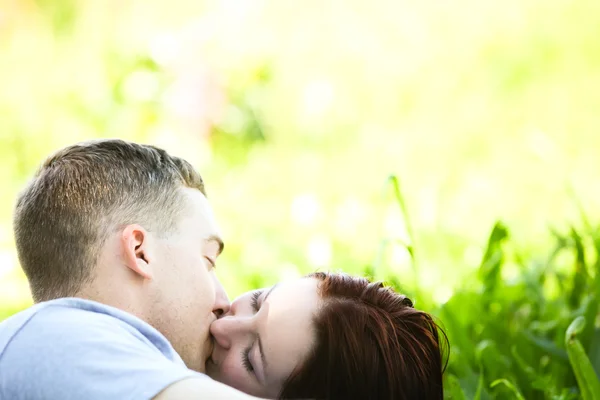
<point x="491" y="264"/>
<point x="544" y="326"/>
<point x="596" y="240"/>
<point x="410" y="246"/>
<point x="560" y="246"/>
<point x="492" y="360"/>
<point x="591" y="313"/>
<point x="547" y="345"/>
<point x="458" y="339"/>
<point x="579" y="205"/>
<point x="587" y="337"/>
<point x="526" y="368"/>
<point x="480" y="386"/>
<point x="509" y="385"/>
<point x="580" y="277"/>
<point x="461" y="368"/>
<point x="594" y="351"/>
<point x="452" y="389"/>
<point x="588" y="382"/>
<point x="566" y="394"/>
<point x="402" y="204"/>
<point x="481" y="393"/>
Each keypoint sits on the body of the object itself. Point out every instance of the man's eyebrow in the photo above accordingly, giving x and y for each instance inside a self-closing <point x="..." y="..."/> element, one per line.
<point x="218" y="240"/>
<point x="260" y="345"/>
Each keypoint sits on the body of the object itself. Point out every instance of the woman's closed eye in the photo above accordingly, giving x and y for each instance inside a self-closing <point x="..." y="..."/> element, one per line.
<point x="246" y="359"/>
<point x="254" y="300"/>
<point x="246" y="352"/>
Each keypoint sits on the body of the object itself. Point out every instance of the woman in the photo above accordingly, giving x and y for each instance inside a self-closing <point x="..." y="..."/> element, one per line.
<point x="328" y="336"/>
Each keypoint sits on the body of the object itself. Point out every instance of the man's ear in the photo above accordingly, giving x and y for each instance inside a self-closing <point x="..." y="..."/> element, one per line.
<point x="135" y="243"/>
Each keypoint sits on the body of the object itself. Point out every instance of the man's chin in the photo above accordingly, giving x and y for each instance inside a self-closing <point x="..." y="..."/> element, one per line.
<point x="198" y="366"/>
<point x="205" y="357"/>
<point x="201" y="363"/>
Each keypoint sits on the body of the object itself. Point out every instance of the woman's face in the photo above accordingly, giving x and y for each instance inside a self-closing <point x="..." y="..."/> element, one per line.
<point x="264" y="336"/>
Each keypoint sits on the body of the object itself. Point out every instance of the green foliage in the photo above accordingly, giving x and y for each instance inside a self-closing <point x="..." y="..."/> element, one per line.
<point x="587" y="378"/>
<point x="508" y="336"/>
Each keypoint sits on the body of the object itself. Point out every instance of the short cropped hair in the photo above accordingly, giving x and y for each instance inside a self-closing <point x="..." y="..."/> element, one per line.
<point x="84" y="192"/>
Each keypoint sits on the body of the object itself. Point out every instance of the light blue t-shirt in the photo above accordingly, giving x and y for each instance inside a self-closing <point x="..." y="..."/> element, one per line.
<point x="78" y="349"/>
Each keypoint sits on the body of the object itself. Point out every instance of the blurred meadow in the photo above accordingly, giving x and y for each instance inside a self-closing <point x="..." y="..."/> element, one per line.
<point x="449" y="148"/>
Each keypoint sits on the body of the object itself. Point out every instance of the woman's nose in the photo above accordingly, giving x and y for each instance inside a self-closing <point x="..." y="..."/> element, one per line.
<point x="225" y="330"/>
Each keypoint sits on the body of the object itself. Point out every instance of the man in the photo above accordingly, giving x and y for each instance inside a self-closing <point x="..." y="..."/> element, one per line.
<point x="119" y="246"/>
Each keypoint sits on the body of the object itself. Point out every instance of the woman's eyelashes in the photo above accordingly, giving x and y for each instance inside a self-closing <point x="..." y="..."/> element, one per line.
<point x="254" y="300"/>
<point x="246" y="352"/>
<point x="246" y="359"/>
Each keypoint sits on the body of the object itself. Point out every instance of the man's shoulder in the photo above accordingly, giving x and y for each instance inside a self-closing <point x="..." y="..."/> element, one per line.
<point x="70" y="318"/>
<point x="13" y="324"/>
<point x="73" y="348"/>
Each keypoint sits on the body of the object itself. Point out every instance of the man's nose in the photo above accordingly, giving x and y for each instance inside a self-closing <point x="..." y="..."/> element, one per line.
<point x="222" y="304"/>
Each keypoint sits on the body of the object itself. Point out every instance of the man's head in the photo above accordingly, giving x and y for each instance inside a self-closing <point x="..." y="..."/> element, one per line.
<point x="127" y="225"/>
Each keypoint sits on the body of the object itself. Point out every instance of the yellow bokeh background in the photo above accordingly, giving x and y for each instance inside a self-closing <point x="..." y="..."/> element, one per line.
<point x="296" y="114"/>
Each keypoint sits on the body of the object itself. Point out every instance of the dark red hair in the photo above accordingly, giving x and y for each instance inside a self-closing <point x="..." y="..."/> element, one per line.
<point x="370" y="344"/>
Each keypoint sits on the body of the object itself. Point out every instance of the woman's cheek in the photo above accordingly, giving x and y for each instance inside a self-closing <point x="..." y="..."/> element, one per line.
<point x="234" y="374"/>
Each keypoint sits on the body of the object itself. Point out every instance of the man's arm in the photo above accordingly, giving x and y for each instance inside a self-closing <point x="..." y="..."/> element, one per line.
<point x="201" y="389"/>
